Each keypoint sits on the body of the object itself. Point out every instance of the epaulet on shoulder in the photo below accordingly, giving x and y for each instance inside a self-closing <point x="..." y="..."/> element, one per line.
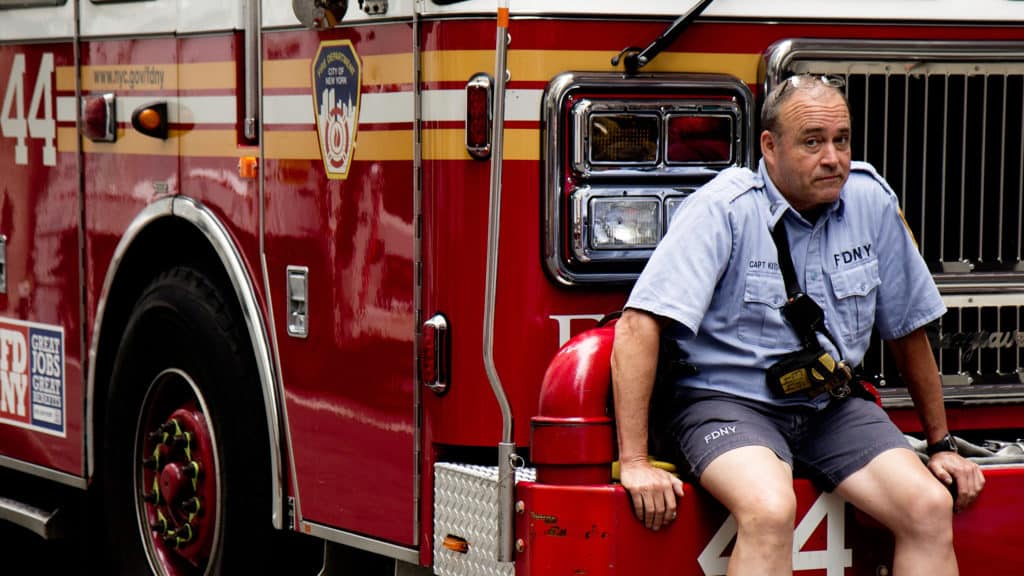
<point x="863" y="169"/>
<point x="732" y="183"/>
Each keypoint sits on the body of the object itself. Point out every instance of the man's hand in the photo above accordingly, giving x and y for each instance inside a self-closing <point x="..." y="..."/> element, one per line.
<point x="949" y="467"/>
<point x="654" y="492"/>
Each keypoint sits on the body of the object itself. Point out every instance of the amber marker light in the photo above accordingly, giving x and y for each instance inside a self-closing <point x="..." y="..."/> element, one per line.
<point x="248" y="167"/>
<point x="456" y="544"/>
<point x="151" y="120"/>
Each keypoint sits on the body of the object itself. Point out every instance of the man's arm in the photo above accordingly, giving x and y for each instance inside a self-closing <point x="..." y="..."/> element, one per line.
<point x="914" y="358"/>
<point x="634" y="364"/>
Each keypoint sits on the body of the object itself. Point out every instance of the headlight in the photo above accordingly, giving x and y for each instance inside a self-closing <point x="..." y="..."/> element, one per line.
<point x="613" y="224"/>
<point x="625" y="224"/>
<point x="622" y="152"/>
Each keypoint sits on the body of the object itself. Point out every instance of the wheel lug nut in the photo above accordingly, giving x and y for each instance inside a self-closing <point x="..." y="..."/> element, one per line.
<point x="151" y="463"/>
<point x="151" y="497"/>
<point x="192" y="469"/>
<point x="182" y="440"/>
<point x="192" y="505"/>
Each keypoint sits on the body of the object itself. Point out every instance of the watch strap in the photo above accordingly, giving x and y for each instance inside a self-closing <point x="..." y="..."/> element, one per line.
<point x="946" y="444"/>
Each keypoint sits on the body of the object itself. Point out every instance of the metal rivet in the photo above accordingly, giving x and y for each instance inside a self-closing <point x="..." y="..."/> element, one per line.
<point x="520" y="545"/>
<point x="520" y="507"/>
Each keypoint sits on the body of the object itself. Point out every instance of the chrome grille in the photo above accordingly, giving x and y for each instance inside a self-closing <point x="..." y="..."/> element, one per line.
<point x="983" y="345"/>
<point x="947" y="137"/>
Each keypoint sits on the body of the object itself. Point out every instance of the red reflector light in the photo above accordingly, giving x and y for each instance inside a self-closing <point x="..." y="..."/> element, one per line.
<point x="99" y="122"/>
<point x="434" y="353"/>
<point x="428" y="354"/>
<point x="700" y="139"/>
<point x="478" y="116"/>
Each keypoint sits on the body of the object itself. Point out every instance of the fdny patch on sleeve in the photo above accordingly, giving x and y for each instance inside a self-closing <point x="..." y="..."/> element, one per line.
<point x="32" y="391"/>
<point x="337" y="82"/>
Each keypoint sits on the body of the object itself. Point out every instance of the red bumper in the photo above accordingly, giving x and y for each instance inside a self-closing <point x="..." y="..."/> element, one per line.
<point x="575" y="530"/>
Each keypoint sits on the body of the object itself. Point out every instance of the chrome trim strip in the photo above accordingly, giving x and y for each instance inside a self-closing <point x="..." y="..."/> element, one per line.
<point x="42" y="522"/>
<point x="252" y="35"/>
<point x="417" y="251"/>
<point x="410" y="555"/>
<point x="554" y="98"/>
<point x="274" y="376"/>
<point x="778" y="56"/>
<point x="44" y="472"/>
<point x="83" y="309"/>
<point x="211" y="228"/>
<point x="979" y="300"/>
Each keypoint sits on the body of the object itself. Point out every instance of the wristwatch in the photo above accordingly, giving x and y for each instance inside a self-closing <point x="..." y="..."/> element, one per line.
<point x="946" y="444"/>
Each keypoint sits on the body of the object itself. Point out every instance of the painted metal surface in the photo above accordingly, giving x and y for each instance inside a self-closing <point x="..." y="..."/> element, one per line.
<point x="349" y="382"/>
<point x="39" y="217"/>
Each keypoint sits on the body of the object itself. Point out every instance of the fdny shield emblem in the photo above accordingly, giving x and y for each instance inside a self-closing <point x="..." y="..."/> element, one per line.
<point x="336" y="86"/>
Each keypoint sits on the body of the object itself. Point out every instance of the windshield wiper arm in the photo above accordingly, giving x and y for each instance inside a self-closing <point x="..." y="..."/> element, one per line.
<point x="634" y="58"/>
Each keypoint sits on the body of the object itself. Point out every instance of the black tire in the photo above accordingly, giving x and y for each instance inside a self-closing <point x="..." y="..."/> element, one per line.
<point x="184" y="396"/>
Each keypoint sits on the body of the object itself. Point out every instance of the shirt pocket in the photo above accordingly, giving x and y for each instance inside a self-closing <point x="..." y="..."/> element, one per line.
<point x="760" y="319"/>
<point x="855" y="291"/>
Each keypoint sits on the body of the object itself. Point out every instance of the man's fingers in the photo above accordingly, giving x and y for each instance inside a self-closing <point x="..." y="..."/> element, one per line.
<point x="638" y="506"/>
<point x="654" y="494"/>
<point x="677" y="486"/>
<point x="649" y="510"/>
<point x="970" y="482"/>
<point x="958" y="472"/>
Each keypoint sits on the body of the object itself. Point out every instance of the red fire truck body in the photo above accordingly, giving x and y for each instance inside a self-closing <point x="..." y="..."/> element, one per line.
<point x="244" y="262"/>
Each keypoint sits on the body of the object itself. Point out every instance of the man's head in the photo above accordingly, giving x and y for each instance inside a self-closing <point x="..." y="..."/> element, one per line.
<point x="806" y="140"/>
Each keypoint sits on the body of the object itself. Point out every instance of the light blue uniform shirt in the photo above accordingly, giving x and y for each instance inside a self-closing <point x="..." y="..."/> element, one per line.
<point x="716" y="275"/>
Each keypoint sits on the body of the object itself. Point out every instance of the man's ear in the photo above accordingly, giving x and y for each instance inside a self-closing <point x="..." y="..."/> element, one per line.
<point x="768" y="144"/>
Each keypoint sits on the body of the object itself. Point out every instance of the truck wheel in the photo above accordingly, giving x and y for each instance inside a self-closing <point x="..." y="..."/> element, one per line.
<point x="186" y="472"/>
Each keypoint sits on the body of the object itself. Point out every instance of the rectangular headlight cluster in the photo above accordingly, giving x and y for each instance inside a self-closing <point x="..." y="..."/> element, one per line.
<point x="622" y="153"/>
<point x="621" y="223"/>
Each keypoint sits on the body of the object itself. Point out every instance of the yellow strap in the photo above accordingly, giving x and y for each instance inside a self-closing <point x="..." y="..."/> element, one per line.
<point x="666" y="466"/>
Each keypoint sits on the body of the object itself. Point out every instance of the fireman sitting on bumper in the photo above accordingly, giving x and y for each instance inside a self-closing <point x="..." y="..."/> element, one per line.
<point x="767" y="397"/>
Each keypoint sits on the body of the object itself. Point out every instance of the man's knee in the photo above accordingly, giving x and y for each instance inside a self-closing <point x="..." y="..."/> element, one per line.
<point x="767" y="513"/>
<point x="929" y="514"/>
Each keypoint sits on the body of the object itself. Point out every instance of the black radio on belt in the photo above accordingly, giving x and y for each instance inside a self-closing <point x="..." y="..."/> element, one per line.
<point x="811" y="369"/>
<point x="804" y="314"/>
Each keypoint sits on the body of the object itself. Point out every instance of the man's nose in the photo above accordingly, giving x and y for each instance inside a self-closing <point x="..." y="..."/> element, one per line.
<point x="829" y="154"/>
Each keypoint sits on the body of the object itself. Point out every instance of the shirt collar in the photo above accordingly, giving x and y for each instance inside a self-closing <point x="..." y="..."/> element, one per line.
<point x="779" y="204"/>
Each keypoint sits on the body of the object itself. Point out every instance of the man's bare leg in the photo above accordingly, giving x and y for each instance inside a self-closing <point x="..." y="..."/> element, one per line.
<point x="900" y="492"/>
<point x="757" y="488"/>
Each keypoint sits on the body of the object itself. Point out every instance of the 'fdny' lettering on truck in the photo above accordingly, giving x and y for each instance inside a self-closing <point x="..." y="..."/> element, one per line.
<point x="13" y="376"/>
<point x="32" y="376"/>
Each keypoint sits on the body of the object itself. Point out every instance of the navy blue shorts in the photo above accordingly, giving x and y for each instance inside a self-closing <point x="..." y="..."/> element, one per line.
<point x="826" y="445"/>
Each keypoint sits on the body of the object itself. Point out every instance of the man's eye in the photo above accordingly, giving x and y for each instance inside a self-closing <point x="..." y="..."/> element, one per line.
<point x="812" y="142"/>
<point x="842" y="142"/>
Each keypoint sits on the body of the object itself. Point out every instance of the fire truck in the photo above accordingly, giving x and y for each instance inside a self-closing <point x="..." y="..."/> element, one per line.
<point x="335" y="271"/>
